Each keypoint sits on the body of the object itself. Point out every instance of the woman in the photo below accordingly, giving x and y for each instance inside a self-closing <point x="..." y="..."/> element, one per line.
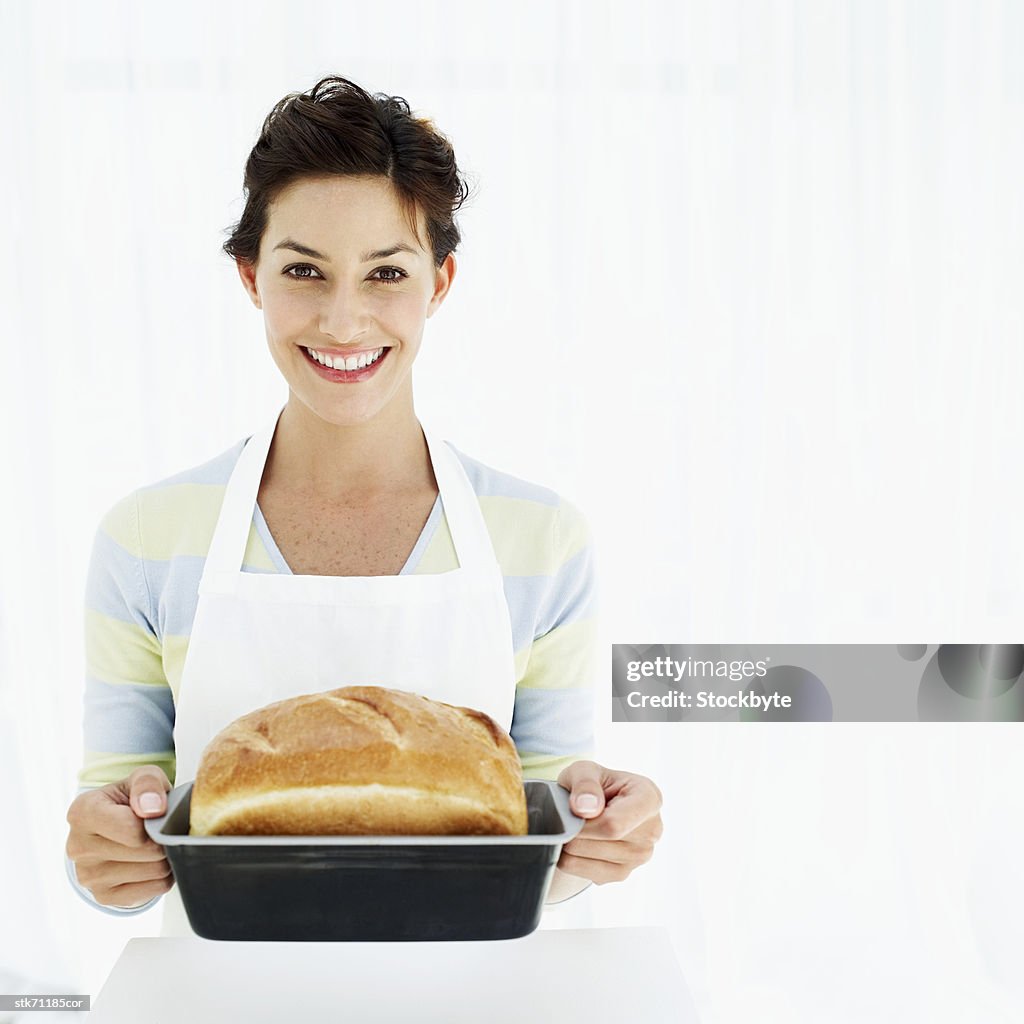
<point x="341" y="543"/>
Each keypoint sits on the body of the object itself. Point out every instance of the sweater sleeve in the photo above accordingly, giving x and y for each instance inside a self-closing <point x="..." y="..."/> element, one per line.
<point x="128" y="714"/>
<point x="553" y="720"/>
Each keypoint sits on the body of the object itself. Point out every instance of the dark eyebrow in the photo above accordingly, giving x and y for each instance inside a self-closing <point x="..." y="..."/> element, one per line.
<point x="373" y="254"/>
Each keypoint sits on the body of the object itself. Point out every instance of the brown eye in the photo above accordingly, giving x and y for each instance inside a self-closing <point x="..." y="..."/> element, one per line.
<point x="390" y="270"/>
<point x="301" y="277"/>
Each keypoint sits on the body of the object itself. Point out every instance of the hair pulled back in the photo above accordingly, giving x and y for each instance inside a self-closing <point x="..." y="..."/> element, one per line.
<point x="337" y="127"/>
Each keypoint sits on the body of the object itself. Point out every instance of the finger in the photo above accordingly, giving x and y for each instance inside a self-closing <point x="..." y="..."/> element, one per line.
<point x="586" y="800"/>
<point x="148" y="787"/>
<point x="133" y="894"/>
<point x="94" y="848"/>
<point x="109" y="874"/>
<point x="629" y="853"/>
<point x="635" y="804"/>
<point x="118" y="823"/>
<point x="642" y="793"/>
<point x="596" y="870"/>
<point x="583" y="779"/>
<point x="578" y="772"/>
<point x="610" y="780"/>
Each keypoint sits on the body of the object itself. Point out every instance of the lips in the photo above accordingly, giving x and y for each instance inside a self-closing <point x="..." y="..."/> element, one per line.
<point x="346" y="376"/>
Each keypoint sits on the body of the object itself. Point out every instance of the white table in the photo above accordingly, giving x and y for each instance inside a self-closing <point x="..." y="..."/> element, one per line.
<point x="614" y="975"/>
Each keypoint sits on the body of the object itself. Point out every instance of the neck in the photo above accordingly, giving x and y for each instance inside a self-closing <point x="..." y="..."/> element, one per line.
<point x="357" y="462"/>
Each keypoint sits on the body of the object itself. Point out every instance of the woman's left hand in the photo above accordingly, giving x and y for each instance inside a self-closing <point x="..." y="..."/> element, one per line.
<point x="623" y="823"/>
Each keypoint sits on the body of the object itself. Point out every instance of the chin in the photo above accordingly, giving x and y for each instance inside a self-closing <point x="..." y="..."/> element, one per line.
<point x="338" y="413"/>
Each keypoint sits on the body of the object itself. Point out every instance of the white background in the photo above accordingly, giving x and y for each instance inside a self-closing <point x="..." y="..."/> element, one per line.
<point x="740" y="280"/>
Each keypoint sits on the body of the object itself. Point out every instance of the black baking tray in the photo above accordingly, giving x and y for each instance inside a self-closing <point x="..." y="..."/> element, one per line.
<point x="367" y="888"/>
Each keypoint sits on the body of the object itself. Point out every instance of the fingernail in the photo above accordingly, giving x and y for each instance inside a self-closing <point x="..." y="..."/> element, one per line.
<point x="586" y="802"/>
<point x="150" y="802"/>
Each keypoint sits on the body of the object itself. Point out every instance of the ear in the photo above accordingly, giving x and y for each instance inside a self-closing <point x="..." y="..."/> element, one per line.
<point x="443" y="277"/>
<point x="247" y="272"/>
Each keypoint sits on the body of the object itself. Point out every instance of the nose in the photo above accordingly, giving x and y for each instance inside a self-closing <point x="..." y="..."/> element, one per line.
<point x="344" y="316"/>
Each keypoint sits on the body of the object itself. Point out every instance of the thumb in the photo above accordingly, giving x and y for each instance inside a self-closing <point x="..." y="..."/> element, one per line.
<point x="147" y="791"/>
<point x="586" y="795"/>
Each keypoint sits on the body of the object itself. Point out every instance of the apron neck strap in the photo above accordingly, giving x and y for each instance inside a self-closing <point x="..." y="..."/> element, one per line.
<point x="227" y="550"/>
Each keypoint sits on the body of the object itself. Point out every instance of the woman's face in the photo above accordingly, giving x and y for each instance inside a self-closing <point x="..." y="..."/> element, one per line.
<point x="344" y="297"/>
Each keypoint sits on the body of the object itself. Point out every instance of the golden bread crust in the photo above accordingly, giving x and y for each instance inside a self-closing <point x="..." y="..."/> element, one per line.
<point x="360" y="760"/>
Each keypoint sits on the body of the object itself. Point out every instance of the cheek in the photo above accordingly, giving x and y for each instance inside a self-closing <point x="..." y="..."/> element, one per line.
<point x="286" y="316"/>
<point x="400" y="307"/>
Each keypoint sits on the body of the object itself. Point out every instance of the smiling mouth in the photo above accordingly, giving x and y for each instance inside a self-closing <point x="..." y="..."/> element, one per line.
<point x="349" y="363"/>
<point x="371" y="360"/>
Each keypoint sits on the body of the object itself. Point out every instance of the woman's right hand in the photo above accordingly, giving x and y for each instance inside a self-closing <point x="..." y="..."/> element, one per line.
<point x="114" y="857"/>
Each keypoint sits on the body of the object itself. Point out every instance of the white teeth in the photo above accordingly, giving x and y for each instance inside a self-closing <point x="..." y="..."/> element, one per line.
<point x="352" y="363"/>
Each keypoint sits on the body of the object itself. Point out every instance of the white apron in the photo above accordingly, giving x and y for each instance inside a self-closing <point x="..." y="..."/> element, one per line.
<point x="263" y="637"/>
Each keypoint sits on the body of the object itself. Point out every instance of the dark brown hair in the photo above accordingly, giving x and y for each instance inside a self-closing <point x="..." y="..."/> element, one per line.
<point x="339" y="128"/>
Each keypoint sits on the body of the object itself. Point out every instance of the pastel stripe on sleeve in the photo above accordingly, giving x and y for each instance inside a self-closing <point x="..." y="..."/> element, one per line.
<point x="128" y="713"/>
<point x="553" y="723"/>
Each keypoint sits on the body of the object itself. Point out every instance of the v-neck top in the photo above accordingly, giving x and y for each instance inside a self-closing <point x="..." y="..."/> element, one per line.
<point x="429" y="527"/>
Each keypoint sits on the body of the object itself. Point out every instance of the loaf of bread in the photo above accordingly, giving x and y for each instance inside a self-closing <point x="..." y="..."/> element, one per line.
<point x="361" y="760"/>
